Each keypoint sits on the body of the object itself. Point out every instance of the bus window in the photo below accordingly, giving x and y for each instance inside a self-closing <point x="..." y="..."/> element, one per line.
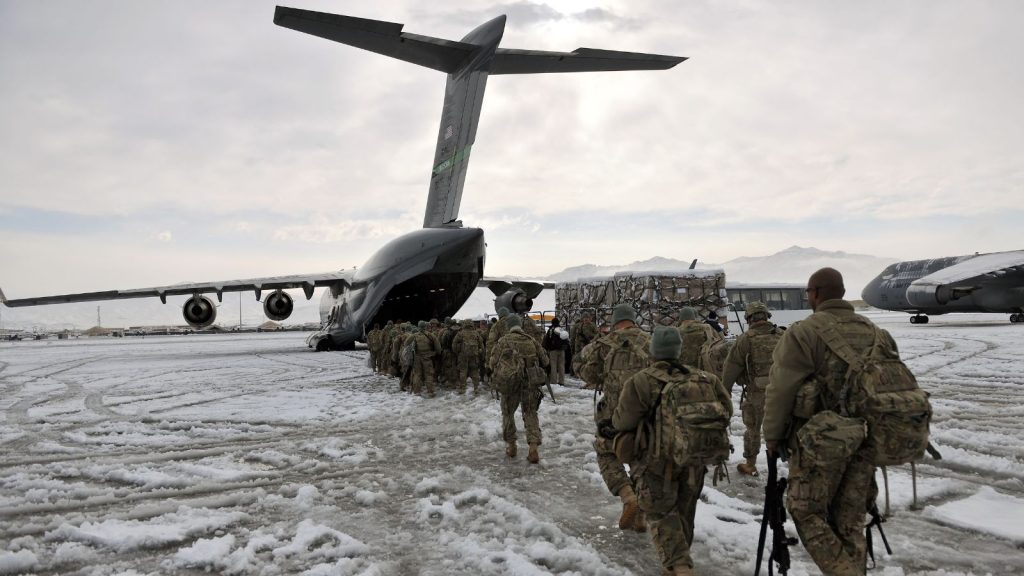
<point x="790" y="299"/>
<point x="773" y="300"/>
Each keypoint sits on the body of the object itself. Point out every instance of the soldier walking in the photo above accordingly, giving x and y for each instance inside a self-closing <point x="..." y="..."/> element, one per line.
<point x="748" y="364"/>
<point x="373" y="342"/>
<point x="695" y="334"/>
<point x="605" y="364"/>
<point x="427" y="349"/>
<point x="667" y="491"/>
<point x="827" y="501"/>
<point x="468" y="346"/>
<point x="518" y="368"/>
<point x="583" y="333"/>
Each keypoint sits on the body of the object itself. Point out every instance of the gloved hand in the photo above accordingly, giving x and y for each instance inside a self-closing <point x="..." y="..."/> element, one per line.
<point x="605" y="429"/>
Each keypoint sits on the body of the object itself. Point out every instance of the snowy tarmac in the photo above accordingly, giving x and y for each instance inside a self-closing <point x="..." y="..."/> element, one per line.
<point x="250" y="454"/>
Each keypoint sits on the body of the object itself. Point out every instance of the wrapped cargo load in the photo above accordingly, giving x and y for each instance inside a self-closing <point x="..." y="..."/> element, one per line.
<point x="657" y="297"/>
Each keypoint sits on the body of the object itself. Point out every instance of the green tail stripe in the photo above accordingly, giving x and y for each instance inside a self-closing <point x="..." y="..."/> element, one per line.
<point x="449" y="163"/>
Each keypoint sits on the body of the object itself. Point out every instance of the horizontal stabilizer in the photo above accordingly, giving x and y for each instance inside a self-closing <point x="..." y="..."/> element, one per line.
<point x="508" y="61"/>
<point x="377" y="36"/>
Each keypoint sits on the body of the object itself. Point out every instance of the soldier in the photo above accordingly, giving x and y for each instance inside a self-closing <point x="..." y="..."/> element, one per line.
<point x="396" y="356"/>
<point x="748" y="364"/>
<point x="427" y="348"/>
<point x="514" y="364"/>
<point x="373" y="342"/>
<point x="468" y="346"/>
<point x="605" y="364"/>
<point x="449" y="367"/>
<point x="497" y="330"/>
<point x="555" y="342"/>
<point x="531" y="329"/>
<point x="583" y="333"/>
<point x="668" y="492"/>
<point x="695" y="335"/>
<point x="828" y="504"/>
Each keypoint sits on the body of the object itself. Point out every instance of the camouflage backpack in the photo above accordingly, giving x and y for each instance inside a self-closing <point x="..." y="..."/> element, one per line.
<point x="511" y="367"/>
<point x="759" y="361"/>
<point x="624" y="358"/>
<point x="694" y="336"/>
<point x="407" y="355"/>
<point x="692" y="422"/>
<point x="713" y="355"/>
<point x="880" y="389"/>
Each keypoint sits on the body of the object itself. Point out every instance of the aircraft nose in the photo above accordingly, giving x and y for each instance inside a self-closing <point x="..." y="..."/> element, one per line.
<point x="870" y="293"/>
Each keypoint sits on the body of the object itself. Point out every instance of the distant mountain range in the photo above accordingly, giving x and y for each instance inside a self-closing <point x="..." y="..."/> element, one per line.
<point x="792" y="266"/>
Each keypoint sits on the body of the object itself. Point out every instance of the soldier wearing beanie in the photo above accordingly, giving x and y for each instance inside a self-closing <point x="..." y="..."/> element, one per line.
<point x="666" y="492"/>
<point x="605" y="365"/>
<point x="748" y="364"/>
<point x="514" y="351"/>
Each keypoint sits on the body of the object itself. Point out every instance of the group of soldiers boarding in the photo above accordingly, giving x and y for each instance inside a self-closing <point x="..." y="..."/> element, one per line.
<point x="665" y="407"/>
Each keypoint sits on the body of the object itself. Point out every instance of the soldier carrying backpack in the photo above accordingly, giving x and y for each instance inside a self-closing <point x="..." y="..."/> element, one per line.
<point x="518" y="366"/>
<point x="748" y="364"/>
<point x="840" y="402"/>
<point x="681" y="418"/>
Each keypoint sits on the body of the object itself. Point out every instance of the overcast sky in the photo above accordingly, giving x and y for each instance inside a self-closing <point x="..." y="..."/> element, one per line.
<point x="151" y="142"/>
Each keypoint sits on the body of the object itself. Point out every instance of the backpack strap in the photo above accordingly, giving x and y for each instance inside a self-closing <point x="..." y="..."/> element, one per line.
<point x="841" y="347"/>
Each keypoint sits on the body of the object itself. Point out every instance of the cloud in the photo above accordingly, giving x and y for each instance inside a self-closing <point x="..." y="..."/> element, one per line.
<point x="164" y="236"/>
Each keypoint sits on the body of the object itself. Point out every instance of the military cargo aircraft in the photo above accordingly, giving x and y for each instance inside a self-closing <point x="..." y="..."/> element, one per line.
<point x="976" y="283"/>
<point x="428" y="273"/>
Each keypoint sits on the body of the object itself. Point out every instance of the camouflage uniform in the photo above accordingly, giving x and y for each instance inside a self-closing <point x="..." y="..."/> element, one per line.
<point x="449" y="366"/>
<point x="396" y="353"/>
<point x="497" y="330"/>
<point x="387" y="338"/>
<point x="594" y="369"/>
<point x="667" y="493"/>
<point x="828" y="503"/>
<point x="373" y="342"/>
<point x="468" y="346"/>
<point x="748" y="364"/>
<point x="695" y="334"/>
<point x="427" y="349"/>
<point x="515" y="390"/>
<point x="531" y="329"/>
<point x="583" y="333"/>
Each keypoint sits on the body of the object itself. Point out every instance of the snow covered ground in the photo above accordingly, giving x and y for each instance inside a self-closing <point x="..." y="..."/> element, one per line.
<point x="250" y="454"/>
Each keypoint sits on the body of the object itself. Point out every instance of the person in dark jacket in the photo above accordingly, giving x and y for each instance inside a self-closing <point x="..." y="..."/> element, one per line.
<point x="555" y="342"/>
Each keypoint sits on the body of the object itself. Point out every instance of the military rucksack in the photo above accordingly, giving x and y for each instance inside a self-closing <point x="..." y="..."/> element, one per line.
<point x="694" y="336"/>
<point x="692" y="422"/>
<point x="713" y="355"/>
<point x="407" y="355"/>
<point x="624" y="358"/>
<point x="512" y="367"/>
<point x="880" y="389"/>
<point x="759" y="361"/>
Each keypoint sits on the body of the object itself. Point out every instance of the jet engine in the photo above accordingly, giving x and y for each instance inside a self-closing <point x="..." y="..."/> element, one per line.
<point x="278" y="306"/>
<point x="931" y="295"/>
<point x="515" y="300"/>
<point x="199" y="311"/>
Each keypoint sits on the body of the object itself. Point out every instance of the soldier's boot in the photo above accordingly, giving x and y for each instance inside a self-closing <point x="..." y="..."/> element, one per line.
<point x="533" y="456"/>
<point x="682" y="570"/>
<point x="630" y="508"/>
<point x="748" y="468"/>
<point x="640" y="524"/>
<point x="511" y="449"/>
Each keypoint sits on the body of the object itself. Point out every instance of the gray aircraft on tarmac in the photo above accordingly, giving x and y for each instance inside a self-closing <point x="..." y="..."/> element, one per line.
<point x="428" y="273"/>
<point x="976" y="283"/>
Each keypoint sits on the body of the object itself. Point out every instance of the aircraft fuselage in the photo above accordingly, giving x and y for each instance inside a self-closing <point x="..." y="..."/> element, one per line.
<point x="428" y="273"/>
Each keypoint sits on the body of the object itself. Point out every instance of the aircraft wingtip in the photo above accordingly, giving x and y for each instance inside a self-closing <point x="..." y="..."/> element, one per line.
<point x="3" y="299"/>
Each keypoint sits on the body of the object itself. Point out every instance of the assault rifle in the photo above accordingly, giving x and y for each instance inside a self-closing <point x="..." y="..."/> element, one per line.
<point x="876" y="521"/>
<point x="775" y="516"/>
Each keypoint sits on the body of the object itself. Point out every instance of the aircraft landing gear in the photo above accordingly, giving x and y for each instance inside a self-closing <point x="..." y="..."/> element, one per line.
<point x="919" y="319"/>
<point x="1016" y="318"/>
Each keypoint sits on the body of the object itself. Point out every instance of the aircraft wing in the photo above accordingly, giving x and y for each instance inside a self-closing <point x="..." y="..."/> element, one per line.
<point x="305" y="281"/>
<point x="501" y="285"/>
<point x="981" y="267"/>
<point x="377" y="36"/>
<point x="509" y="61"/>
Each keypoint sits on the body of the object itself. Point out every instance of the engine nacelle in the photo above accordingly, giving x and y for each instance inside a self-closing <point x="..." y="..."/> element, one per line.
<point x="199" y="311"/>
<point x="931" y="295"/>
<point x="514" y="300"/>
<point x="278" y="306"/>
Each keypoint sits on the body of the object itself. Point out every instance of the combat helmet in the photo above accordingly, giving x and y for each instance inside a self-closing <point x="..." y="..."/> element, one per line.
<point x="757" y="307"/>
